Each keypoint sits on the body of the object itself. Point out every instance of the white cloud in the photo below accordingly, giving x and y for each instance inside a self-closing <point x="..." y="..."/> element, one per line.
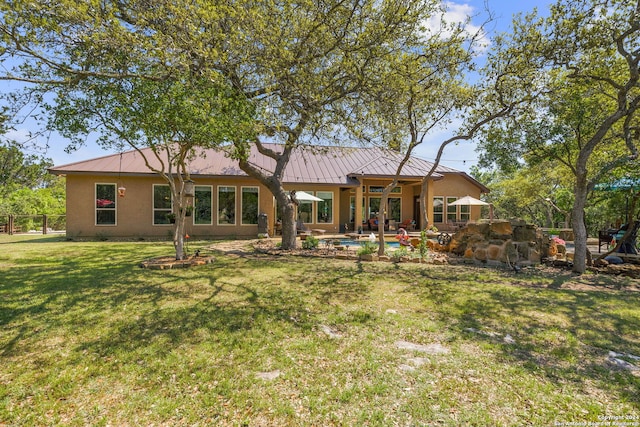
<point x="461" y="14"/>
<point x="18" y="135"/>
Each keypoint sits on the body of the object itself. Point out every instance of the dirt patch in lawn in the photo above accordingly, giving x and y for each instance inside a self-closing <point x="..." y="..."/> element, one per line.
<point x="168" y="262"/>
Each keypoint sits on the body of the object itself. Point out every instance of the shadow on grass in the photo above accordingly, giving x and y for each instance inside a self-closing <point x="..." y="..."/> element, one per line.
<point x="560" y="334"/>
<point x="130" y="307"/>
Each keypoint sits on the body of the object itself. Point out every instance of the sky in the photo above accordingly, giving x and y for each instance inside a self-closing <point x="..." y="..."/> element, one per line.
<point x="461" y="156"/>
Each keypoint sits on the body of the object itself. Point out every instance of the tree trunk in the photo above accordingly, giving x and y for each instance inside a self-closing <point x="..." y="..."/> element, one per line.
<point x="549" y="215"/>
<point x="178" y="235"/>
<point x="382" y="215"/>
<point x="579" y="227"/>
<point x="288" y="212"/>
<point x="424" y="218"/>
<point x="288" y="207"/>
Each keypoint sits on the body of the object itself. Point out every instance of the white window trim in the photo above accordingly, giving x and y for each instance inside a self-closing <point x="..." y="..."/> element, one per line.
<point x="446" y="216"/>
<point x="95" y="208"/>
<point x="153" y="208"/>
<point x="235" y="203"/>
<point x="313" y="209"/>
<point x="193" y="218"/>
<point x="242" y="224"/>
<point x="443" y="199"/>
<point x="401" y="210"/>
<point x="333" y="207"/>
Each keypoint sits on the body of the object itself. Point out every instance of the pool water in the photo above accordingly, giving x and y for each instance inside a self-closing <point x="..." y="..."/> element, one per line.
<point x="357" y="243"/>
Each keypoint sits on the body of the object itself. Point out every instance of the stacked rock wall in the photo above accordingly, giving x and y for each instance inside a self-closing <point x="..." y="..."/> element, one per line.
<point x="510" y="242"/>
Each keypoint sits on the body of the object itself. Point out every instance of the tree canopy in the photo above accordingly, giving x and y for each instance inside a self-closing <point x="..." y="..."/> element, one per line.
<point x="585" y="59"/>
<point x="304" y="67"/>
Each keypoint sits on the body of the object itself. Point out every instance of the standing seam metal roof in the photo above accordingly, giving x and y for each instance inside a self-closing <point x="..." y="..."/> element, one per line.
<point x="308" y="164"/>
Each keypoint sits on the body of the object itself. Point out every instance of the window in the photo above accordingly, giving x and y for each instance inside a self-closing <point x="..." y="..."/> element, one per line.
<point x="325" y="207"/>
<point x="161" y="204"/>
<point x="438" y="209"/>
<point x="226" y="205"/>
<point x="105" y="204"/>
<point x="305" y="211"/>
<point x="203" y="205"/>
<point x="395" y="205"/>
<point x="452" y="211"/>
<point x="465" y="213"/>
<point x="374" y="206"/>
<point x="352" y="210"/>
<point x="250" y="205"/>
<point x="380" y="189"/>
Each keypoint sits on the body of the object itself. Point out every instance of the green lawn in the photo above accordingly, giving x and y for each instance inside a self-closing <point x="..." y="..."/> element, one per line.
<point x="89" y="338"/>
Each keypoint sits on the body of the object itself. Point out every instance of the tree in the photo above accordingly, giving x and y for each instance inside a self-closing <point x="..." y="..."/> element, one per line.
<point x="588" y="64"/>
<point x="413" y="93"/>
<point x="318" y="64"/>
<point x="25" y="186"/>
<point x="303" y="66"/>
<point x="177" y="118"/>
<point x="523" y="192"/>
<point x="106" y="79"/>
<point x="18" y="170"/>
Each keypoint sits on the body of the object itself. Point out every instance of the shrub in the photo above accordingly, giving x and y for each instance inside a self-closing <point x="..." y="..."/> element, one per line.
<point x="310" y="242"/>
<point x="400" y="252"/>
<point x="367" y="248"/>
<point x="423" y="248"/>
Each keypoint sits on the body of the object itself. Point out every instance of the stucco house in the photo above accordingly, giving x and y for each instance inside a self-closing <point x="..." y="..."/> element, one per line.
<point x="227" y="202"/>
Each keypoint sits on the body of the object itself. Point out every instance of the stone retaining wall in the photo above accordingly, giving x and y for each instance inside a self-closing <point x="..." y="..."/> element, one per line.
<point x="509" y="242"/>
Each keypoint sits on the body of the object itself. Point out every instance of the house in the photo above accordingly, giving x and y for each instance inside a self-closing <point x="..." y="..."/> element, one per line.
<point x="227" y="202"/>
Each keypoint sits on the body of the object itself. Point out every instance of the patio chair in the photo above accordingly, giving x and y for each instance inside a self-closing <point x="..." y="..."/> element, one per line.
<point x="373" y="224"/>
<point x="407" y="224"/>
<point x="605" y="237"/>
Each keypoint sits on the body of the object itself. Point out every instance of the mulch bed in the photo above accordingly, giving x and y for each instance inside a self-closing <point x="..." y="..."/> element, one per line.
<point x="170" y="262"/>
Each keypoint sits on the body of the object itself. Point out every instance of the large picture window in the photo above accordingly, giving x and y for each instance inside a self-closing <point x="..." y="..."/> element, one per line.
<point x="162" y="206"/>
<point x="374" y="207"/>
<point x="250" y="197"/>
<point x="395" y="205"/>
<point x="226" y="205"/>
<point x="105" y="204"/>
<point x="203" y="205"/>
<point x="438" y="209"/>
<point x="325" y="207"/>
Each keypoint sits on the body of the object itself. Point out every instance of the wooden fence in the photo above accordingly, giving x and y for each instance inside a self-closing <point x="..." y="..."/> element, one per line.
<point x="12" y="224"/>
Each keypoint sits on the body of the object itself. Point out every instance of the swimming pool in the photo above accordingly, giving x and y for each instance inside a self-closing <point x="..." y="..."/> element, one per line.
<point x="352" y="243"/>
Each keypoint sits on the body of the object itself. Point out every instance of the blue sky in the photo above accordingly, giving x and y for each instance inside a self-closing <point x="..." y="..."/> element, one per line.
<point x="461" y="156"/>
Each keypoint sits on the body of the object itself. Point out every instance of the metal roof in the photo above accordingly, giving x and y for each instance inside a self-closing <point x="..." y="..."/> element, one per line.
<point x="308" y="164"/>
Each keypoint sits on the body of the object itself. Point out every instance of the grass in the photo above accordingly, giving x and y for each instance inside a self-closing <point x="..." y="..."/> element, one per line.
<point x="89" y="338"/>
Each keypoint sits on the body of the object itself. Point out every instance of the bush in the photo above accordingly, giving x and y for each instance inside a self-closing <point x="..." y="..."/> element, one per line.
<point x="423" y="248"/>
<point x="367" y="248"/>
<point x="400" y="252"/>
<point x="310" y="242"/>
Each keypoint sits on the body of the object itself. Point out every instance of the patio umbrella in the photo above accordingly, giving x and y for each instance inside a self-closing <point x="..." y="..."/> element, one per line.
<point x="472" y="201"/>
<point x="468" y="200"/>
<point x="302" y="196"/>
<point x="619" y="185"/>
